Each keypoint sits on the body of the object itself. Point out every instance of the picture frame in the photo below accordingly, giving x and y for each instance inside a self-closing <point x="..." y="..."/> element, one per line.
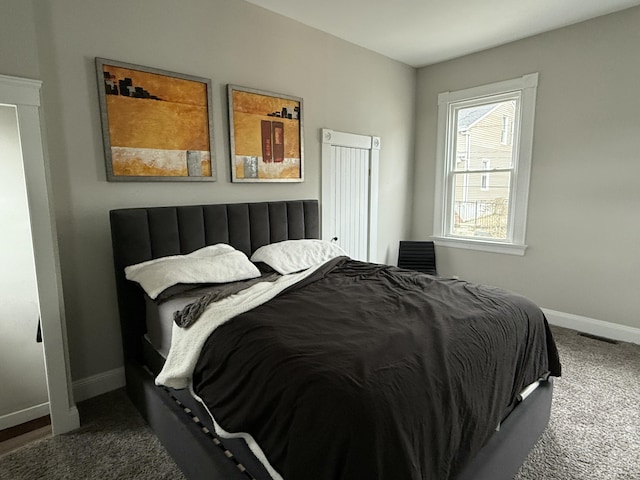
<point x="266" y="136"/>
<point x="157" y="125"/>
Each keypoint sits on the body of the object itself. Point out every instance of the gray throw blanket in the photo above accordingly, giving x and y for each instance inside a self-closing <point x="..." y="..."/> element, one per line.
<point x="213" y="293"/>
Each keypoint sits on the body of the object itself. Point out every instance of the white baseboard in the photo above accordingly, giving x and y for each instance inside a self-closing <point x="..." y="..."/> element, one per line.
<point x="592" y="326"/>
<point x="23" y="416"/>
<point x="98" y="384"/>
<point x="82" y="390"/>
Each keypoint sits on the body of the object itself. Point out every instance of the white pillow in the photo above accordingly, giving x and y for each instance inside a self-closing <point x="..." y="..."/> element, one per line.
<point x="219" y="263"/>
<point x="292" y="256"/>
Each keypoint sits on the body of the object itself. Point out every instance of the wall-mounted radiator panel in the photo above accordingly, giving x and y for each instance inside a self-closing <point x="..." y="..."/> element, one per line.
<point x="349" y="192"/>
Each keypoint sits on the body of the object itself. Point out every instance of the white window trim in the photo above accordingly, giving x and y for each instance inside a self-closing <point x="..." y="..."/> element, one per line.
<point x="527" y="85"/>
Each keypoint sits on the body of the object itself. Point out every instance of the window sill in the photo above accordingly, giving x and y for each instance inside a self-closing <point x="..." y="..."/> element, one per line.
<point x="482" y="245"/>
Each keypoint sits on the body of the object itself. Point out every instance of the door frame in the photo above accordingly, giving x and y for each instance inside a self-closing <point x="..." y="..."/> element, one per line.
<point x="331" y="138"/>
<point x="24" y="94"/>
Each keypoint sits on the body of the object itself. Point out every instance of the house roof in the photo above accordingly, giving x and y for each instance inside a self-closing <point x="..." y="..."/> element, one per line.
<point x="468" y="116"/>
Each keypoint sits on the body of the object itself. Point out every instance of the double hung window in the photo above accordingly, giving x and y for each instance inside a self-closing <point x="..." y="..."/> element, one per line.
<point x="485" y="137"/>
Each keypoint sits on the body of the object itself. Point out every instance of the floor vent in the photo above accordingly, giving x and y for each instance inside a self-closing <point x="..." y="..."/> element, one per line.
<point x="597" y="337"/>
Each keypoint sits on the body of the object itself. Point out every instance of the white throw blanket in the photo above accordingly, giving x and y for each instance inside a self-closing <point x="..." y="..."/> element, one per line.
<point x="187" y="343"/>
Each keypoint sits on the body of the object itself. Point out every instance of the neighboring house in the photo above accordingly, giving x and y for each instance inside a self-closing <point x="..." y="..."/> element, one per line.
<point x="484" y="144"/>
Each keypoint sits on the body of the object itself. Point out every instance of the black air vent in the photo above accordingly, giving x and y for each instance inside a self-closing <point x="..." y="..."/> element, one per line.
<point x="598" y="337"/>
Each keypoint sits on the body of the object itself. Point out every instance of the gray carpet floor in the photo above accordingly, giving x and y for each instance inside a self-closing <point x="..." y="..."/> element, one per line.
<point x="594" y="432"/>
<point x="113" y="442"/>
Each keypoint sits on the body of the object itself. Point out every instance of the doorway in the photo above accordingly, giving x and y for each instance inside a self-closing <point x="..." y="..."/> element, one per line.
<point x="22" y="370"/>
<point x="22" y="96"/>
<point x="350" y="192"/>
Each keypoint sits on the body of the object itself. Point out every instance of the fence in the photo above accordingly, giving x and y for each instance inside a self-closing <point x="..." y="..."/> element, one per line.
<point x="481" y="218"/>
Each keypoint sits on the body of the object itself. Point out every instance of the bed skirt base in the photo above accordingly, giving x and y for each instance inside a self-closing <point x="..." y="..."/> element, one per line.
<point x="193" y="451"/>
<point x="199" y="457"/>
<point x="506" y="451"/>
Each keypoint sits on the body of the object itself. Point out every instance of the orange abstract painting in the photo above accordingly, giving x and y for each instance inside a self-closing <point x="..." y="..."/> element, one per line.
<point x="266" y="136"/>
<point x="156" y="124"/>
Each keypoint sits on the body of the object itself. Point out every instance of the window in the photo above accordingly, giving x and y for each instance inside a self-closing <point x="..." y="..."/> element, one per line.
<point x="507" y="129"/>
<point x="485" y="137"/>
<point x="484" y="180"/>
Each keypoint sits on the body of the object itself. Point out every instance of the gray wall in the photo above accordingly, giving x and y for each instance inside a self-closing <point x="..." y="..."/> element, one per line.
<point x="21" y="358"/>
<point x="18" y="46"/>
<point x="583" y="226"/>
<point x="344" y="87"/>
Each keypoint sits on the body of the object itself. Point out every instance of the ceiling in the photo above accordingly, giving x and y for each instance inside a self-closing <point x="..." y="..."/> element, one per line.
<point x="423" y="32"/>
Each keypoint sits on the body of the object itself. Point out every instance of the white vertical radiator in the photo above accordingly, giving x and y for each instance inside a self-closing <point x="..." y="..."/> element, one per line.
<point x="349" y="192"/>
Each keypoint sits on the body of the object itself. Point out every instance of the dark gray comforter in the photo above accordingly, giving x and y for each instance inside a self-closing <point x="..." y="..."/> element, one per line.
<point x="366" y="371"/>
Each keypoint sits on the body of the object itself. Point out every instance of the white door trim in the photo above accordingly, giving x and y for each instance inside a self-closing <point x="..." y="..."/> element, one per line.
<point x="24" y="94"/>
<point x="334" y="138"/>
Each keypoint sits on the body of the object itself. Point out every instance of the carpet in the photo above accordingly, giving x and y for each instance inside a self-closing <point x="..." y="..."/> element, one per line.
<point x="594" y="431"/>
<point x="113" y="442"/>
<point x="593" y="434"/>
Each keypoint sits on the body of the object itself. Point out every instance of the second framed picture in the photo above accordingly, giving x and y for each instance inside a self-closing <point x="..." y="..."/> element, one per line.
<point x="265" y="135"/>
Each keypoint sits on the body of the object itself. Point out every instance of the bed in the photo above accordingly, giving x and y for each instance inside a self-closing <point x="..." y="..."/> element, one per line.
<point x="186" y="428"/>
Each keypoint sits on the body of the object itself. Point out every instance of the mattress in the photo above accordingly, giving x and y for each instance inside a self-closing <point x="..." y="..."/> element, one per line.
<point x="159" y="319"/>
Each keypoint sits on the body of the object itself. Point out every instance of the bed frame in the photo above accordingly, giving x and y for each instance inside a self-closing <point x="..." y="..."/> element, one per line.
<point x="181" y="424"/>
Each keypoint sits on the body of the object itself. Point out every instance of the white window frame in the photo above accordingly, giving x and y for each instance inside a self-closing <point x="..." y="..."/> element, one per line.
<point x="522" y="145"/>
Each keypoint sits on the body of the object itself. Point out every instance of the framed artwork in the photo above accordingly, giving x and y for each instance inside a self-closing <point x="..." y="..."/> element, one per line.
<point x="156" y="125"/>
<point x="265" y="136"/>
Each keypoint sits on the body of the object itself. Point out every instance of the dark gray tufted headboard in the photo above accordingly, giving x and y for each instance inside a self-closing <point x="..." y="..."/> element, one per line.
<point x="140" y="234"/>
